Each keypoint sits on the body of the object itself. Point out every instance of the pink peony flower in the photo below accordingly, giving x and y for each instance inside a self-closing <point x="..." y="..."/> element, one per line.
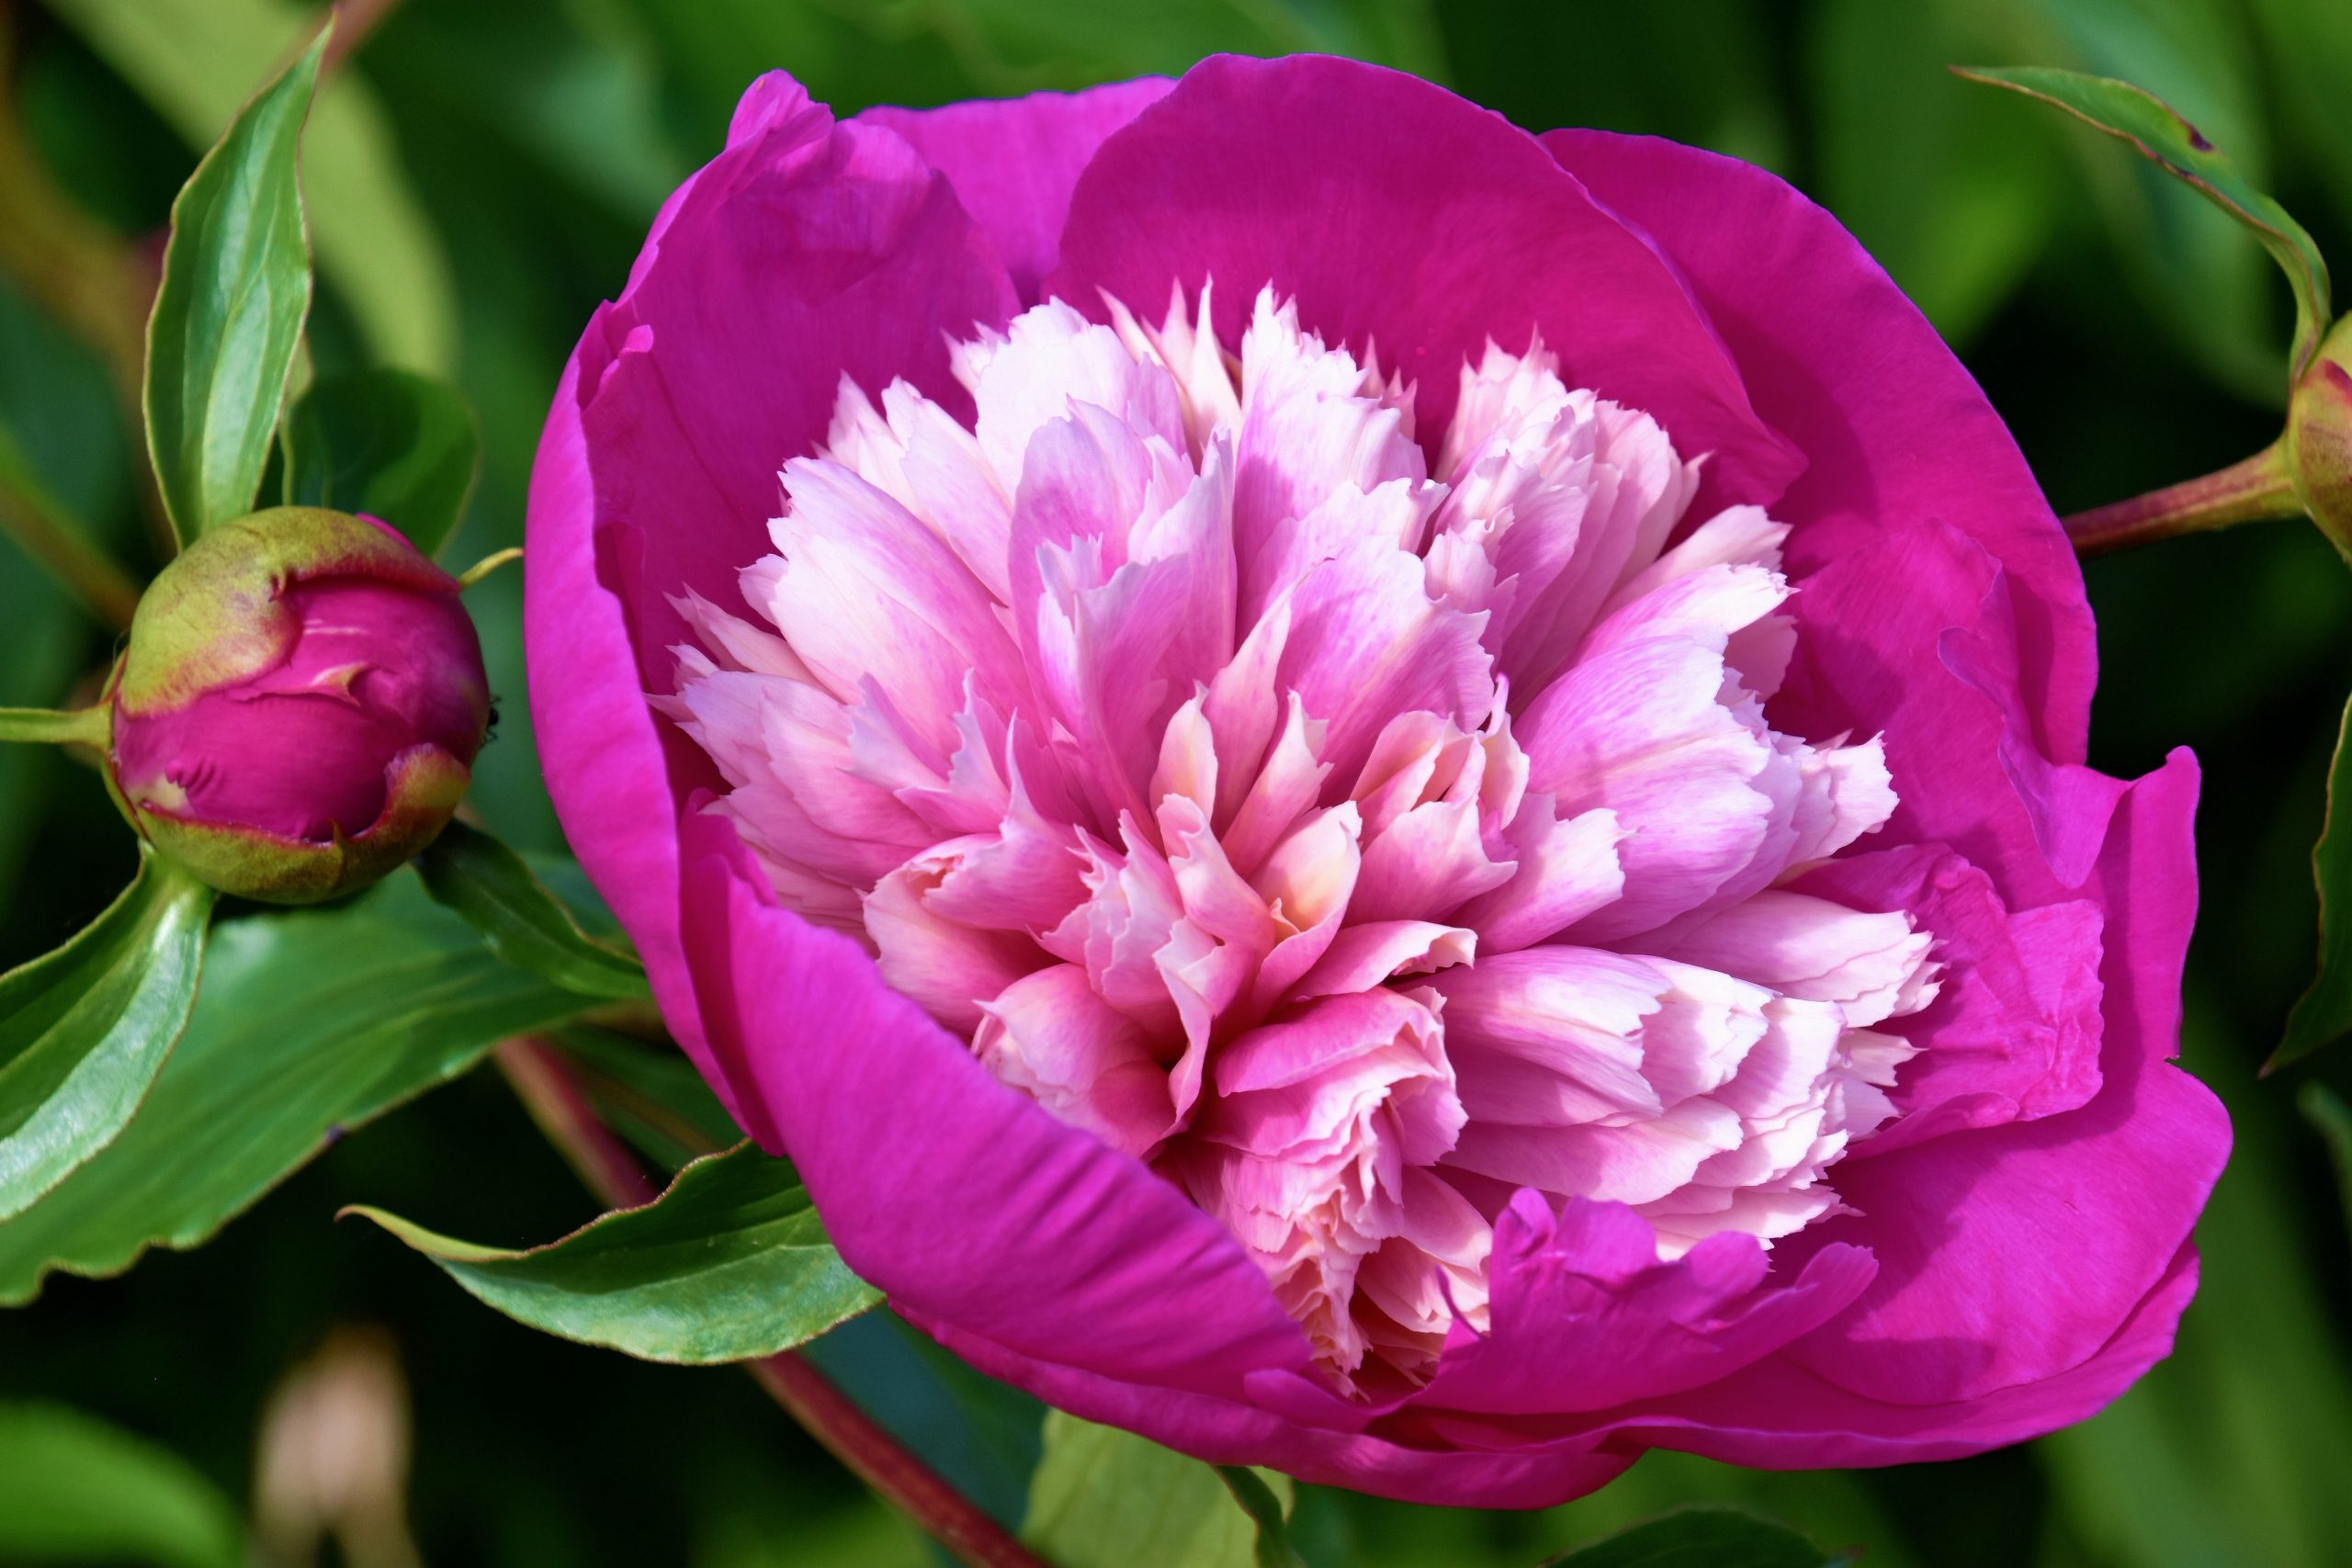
<point x="1382" y="796"/>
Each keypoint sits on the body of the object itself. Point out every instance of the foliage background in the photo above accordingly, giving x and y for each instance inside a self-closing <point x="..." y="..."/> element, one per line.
<point x="490" y="172"/>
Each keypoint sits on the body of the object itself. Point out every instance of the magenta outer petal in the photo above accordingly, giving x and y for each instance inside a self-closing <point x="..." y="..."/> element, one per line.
<point x="803" y="252"/>
<point x="1533" y="1474"/>
<point x="2008" y="1254"/>
<point x="1402" y="215"/>
<point x="1907" y="466"/>
<point x="963" y="1199"/>
<point x="1779" y="1416"/>
<point x="1014" y="161"/>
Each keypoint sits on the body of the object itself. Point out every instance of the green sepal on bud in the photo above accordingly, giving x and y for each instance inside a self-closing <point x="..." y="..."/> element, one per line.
<point x="2319" y="436"/>
<point x="299" y="706"/>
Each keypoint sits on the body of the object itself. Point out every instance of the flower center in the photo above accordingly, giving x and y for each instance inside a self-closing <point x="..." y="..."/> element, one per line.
<point x="1355" y="835"/>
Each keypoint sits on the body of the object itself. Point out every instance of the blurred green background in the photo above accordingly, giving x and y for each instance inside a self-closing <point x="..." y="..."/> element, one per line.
<point x="481" y="174"/>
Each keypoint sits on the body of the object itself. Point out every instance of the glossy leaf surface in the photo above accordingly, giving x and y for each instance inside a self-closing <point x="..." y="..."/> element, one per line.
<point x="524" y="923"/>
<point x="309" y="1024"/>
<point x="228" y="315"/>
<point x="732" y="1263"/>
<point x="84" y="1030"/>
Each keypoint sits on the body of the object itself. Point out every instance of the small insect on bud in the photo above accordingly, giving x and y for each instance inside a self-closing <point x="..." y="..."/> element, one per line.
<point x="299" y="706"/>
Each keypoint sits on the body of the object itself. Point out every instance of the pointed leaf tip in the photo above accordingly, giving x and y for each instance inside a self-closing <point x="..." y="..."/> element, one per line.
<point x="229" y="313"/>
<point x="85" y="1029"/>
<point x="2165" y="136"/>
<point x="730" y="1264"/>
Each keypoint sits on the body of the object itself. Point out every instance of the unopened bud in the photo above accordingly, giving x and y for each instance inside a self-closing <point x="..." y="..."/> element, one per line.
<point x="299" y="706"/>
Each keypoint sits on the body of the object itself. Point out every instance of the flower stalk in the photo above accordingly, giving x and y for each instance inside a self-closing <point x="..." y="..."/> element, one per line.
<point x="543" y="1082"/>
<point x="86" y="727"/>
<point x="2260" y="489"/>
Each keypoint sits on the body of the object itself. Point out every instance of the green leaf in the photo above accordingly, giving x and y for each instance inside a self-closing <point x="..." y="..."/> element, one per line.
<point x="730" y="1264"/>
<point x="524" y="924"/>
<point x="2324" y="1013"/>
<point x="392" y="444"/>
<point x="649" y="1093"/>
<point x="73" y="1489"/>
<point x="1267" y="1512"/>
<point x="2152" y="125"/>
<point x="1106" y="1498"/>
<point x="83" y="1029"/>
<point x="309" y="1024"/>
<point x="191" y="59"/>
<point x="1701" y="1538"/>
<point x="229" y="314"/>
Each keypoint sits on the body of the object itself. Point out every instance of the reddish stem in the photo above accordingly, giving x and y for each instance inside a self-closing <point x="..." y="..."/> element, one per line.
<point x="543" y="1080"/>
<point x="2252" y="492"/>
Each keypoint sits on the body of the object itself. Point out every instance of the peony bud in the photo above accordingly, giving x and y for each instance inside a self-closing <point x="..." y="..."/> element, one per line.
<point x="2319" y="436"/>
<point x="299" y="706"/>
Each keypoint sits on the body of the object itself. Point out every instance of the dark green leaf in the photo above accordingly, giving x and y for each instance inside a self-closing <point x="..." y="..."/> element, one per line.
<point x="524" y="923"/>
<point x="1250" y="1489"/>
<point x="83" y="1029"/>
<point x="309" y="1024"/>
<point x="389" y="442"/>
<point x="229" y="314"/>
<point x="1701" y="1538"/>
<point x="1106" y="1498"/>
<point x="730" y="1264"/>
<point x="2324" y="1014"/>
<point x="73" y="1489"/>
<point x="2153" y="127"/>
<point x="649" y="1093"/>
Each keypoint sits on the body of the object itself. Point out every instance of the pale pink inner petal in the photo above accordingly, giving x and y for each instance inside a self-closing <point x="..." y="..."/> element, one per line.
<point x="1359" y="824"/>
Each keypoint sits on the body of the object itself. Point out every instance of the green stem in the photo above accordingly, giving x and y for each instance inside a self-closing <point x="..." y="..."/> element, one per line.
<point x="2257" y="490"/>
<point x="88" y="726"/>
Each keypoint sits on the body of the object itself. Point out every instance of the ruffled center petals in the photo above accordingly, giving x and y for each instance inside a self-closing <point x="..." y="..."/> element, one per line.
<point x="1377" y="831"/>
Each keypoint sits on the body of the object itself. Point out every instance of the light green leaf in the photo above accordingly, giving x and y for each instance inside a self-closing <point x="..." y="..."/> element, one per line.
<point x="524" y="924"/>
<point x="730" y="1264"/>
<point x="84" y="1030"/>
<point x="229" y="314"/>
<point x="1106" y="1498"/>
<point x="2324" y="1013"/>
<point x="193" y="60"/>
<point x="309" y="1024"/>
<point x="2160" y="133"/>
<point x="392" y="444"/>
<point x="73" y="1489"/>
<point x="1701" y="1538"/>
